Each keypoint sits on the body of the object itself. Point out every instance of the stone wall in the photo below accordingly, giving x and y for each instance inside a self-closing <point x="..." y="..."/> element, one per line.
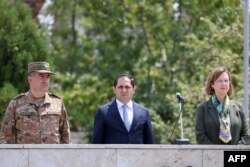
<point x="90" y="155"/>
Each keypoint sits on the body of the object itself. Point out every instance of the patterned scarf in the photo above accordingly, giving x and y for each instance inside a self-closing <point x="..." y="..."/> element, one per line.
<point x="222" y="109"/>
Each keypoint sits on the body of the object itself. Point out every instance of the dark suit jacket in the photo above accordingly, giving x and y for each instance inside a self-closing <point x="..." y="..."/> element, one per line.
<point x="110" y="129"/>
<point x="208" y="124"/>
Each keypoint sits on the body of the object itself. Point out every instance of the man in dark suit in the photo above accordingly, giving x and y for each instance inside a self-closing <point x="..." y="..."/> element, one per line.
<point x="122" y="121"/>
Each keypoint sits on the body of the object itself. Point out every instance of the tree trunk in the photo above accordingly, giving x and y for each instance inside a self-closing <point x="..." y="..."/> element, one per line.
<point x="35" y="6"/>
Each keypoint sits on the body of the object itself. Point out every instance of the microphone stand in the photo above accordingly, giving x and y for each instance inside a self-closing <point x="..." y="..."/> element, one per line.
<point x="181" y="140"/>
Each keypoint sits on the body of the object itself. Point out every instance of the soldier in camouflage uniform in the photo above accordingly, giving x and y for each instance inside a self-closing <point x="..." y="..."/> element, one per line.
<point x="36" y="117"/>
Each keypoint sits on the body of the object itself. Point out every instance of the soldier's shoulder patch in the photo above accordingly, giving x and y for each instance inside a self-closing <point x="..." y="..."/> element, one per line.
<point x="19" y="96"/>
<point x="53" y="95"/>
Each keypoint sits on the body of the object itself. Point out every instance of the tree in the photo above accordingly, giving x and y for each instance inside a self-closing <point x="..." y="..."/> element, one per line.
<point x="21" y="42"/>
<point x="35" y="6"/>
<point x="168" y="46"/>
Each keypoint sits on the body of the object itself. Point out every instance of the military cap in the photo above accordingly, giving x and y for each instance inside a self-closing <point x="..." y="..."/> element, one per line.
<point x="40" y="67"/>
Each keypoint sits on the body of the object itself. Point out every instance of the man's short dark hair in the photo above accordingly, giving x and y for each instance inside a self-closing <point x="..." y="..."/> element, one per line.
<point x="132" y="80"/>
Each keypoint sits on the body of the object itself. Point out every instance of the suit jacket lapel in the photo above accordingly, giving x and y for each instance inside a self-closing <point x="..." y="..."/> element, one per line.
<point x="136" y="114"/>
<point x="212" y="111"/>
<point x="116" y="115"/>
<point x="233" y="116"/>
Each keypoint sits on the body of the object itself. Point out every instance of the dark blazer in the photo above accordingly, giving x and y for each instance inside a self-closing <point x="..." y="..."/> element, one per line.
<point x="208" y="124"/>
<point x="110" y="129"/>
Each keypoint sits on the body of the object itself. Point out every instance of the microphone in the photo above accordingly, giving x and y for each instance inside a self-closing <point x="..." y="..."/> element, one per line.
<point x="180" y="98"/>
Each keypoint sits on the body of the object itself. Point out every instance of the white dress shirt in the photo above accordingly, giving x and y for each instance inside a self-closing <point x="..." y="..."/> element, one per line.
<point x="129" y="109"/>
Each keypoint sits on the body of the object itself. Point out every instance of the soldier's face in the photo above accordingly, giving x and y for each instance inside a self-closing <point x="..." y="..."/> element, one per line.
<point x="39" y="82"/>
<point x="124" y="90"/>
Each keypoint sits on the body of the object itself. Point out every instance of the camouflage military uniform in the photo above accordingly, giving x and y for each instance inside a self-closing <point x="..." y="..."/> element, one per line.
<point x="35" y="121"/>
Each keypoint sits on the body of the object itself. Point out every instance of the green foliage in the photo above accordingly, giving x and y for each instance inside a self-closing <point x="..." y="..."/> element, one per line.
<point x="168" y="46"/>
<point x="7" y="92"/>
<point x="81" y="100"/>
<point x="21" y="42"/>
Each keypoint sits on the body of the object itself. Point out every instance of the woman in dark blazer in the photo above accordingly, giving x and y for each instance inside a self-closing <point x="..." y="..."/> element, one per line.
<point x="220" y="120"/>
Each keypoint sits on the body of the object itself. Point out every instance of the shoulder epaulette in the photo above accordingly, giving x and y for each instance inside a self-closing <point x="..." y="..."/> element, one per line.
<point x="18" y="96"/>
<point x="51" y="94"/>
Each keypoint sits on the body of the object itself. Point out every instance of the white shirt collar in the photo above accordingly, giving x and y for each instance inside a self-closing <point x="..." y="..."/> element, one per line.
<point x="120" y="104"/>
